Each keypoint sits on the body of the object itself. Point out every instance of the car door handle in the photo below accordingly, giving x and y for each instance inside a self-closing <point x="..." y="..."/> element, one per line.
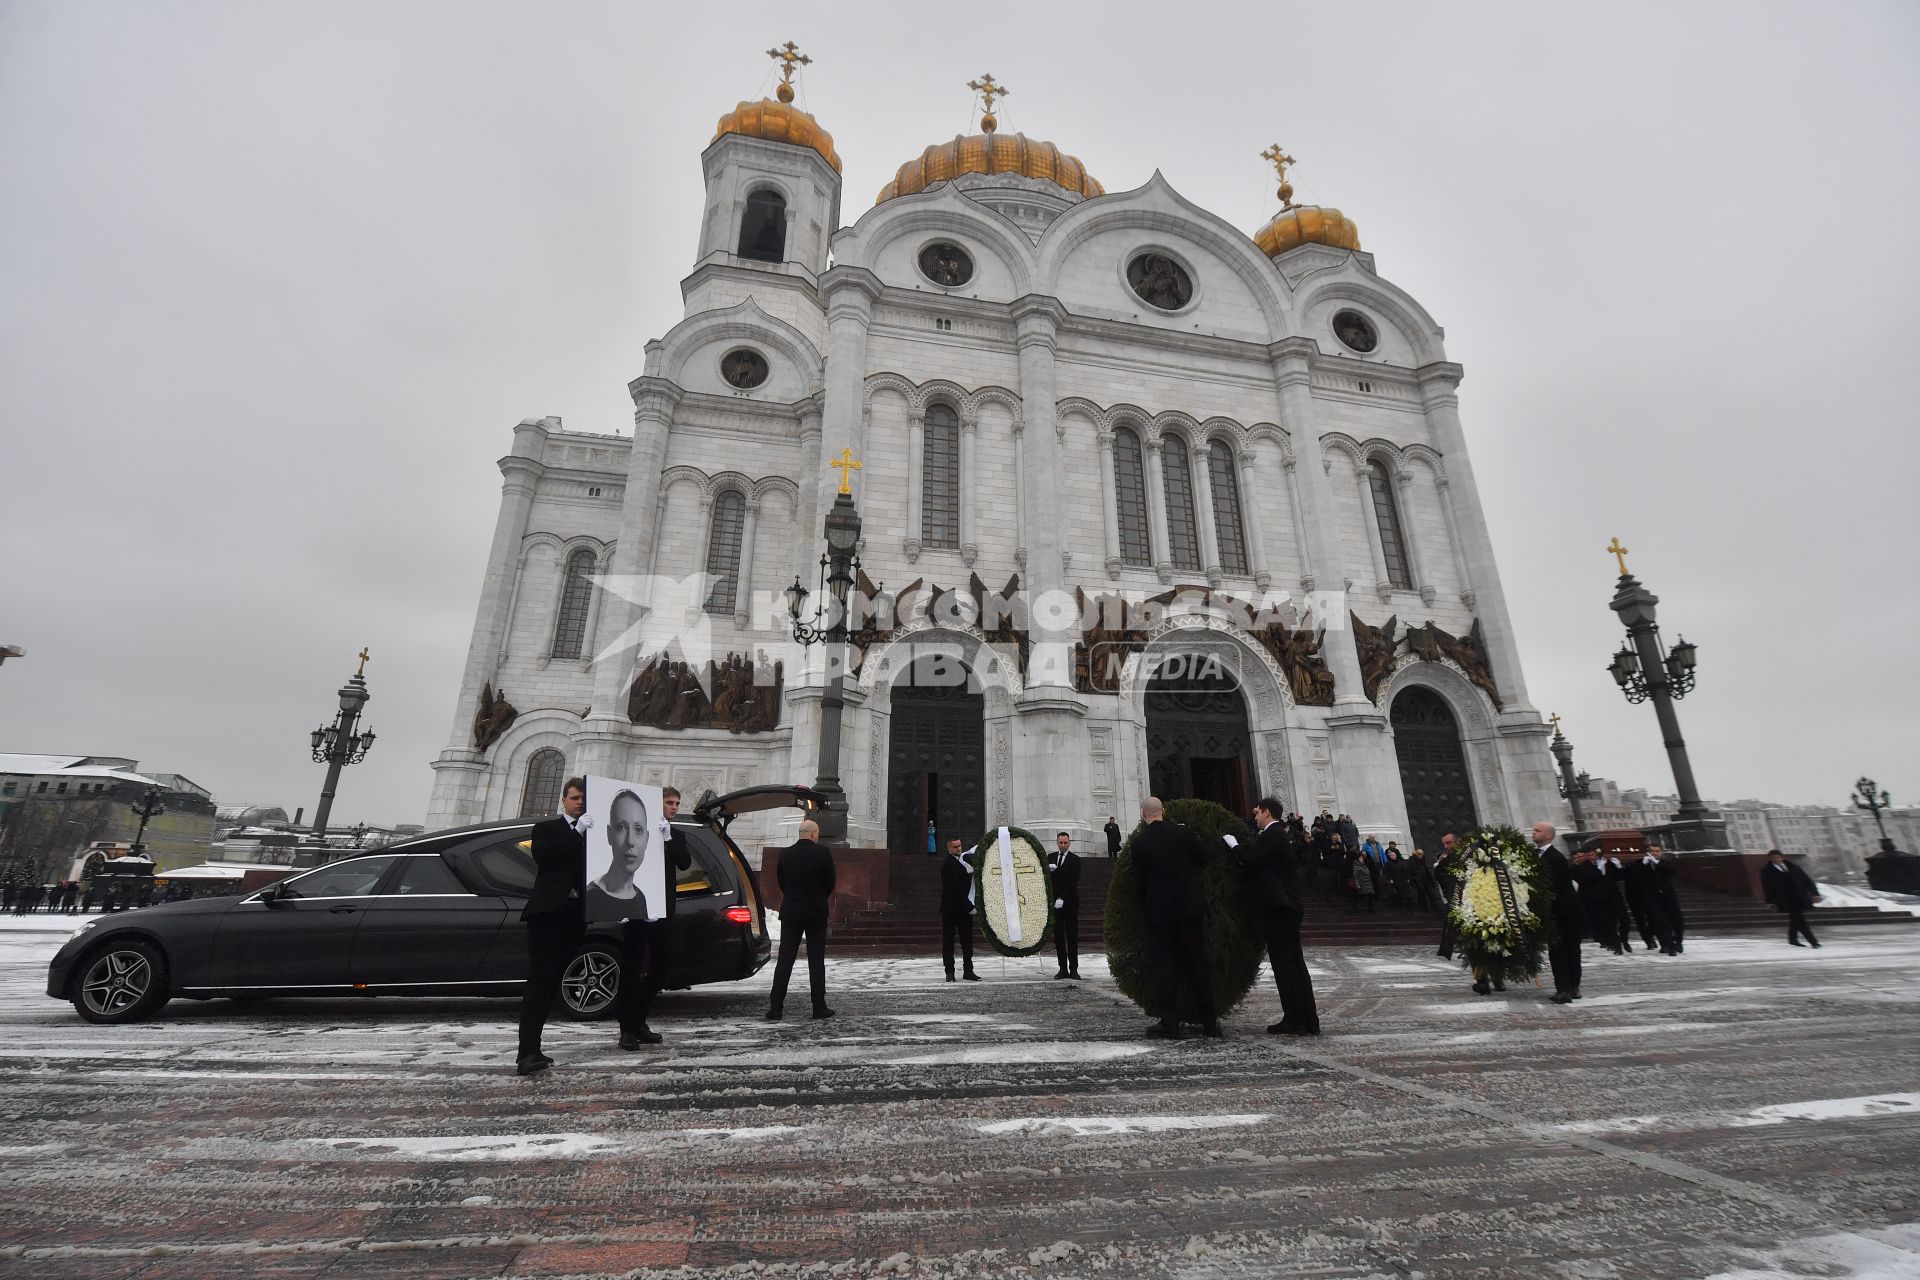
<point x="336" y="911"/>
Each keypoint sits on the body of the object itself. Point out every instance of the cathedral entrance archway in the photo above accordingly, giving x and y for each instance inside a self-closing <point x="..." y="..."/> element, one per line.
<point x="936" y="755"/>
<point x="1198" y="747"/>
<point x="1433" y="768"/>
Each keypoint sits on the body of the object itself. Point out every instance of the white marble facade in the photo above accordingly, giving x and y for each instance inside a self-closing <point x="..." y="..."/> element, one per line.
<point x="1043" y="354"/>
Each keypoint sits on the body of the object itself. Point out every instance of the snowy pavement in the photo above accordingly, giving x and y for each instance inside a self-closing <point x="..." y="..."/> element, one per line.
<point x="1748" y="1109"/>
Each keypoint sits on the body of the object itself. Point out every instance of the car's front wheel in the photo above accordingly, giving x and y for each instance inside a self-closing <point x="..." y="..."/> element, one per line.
<point x="590" y="985"/>
<point x="122" y="982"/>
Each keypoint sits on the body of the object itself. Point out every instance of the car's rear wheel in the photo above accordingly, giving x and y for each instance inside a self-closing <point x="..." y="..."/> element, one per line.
<point x="121" y="982"/>
<point x="590" y="985"/>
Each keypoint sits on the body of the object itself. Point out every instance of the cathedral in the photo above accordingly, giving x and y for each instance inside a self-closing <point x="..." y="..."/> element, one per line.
<point x="1150" y="504"/>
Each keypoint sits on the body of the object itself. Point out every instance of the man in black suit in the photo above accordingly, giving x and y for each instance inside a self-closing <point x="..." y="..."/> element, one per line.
<point x="553" y="916"/>
<point x="1792" y="890"/>
<point x="1603" y="894"/>
<point x="657" y="935"/>
<point x="806" y="879"/>
<point x="1166" y="876"/>
<point x="1650" y="883"/>
<point x="1569" y="917"/>
<point x="1064" y="867"/>
<point x="956" y="909"/>
<point x="1271" y="864"/>
<point x="1113" y="837"/>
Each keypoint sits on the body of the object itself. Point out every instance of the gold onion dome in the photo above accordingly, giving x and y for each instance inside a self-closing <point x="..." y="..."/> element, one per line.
<point x="990" y="152"/>
<point x="780" y="121"/>
<point x="1296" y="225"/>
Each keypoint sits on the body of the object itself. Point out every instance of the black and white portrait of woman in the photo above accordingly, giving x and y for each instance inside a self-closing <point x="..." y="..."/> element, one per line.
<point x="626" y="877"/>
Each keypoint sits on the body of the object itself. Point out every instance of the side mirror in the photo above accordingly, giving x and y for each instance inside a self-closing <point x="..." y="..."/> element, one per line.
<point x="273" y="896"/>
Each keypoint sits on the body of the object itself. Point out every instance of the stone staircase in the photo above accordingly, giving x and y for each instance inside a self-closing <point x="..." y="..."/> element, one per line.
<point x="910" y="924"/>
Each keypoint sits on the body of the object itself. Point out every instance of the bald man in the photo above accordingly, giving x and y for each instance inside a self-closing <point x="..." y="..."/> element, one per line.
<point x="806" y="878"/>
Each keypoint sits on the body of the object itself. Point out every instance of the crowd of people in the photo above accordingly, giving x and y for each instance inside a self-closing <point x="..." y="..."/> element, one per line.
<point x="73" y="898"/>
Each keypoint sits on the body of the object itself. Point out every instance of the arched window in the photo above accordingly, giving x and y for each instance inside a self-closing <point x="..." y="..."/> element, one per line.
<point x="540" y="796"/>
<point x="570" y="628"/>
<point x="1130" y="498"/>
<point x="1386" y="512"/>
<point x="1183" y="541"/>
<point x="763" y="227"/>
<point x="1226" y="507"/>
<point x="940" y="478"/>
<point x="723" y="550"/>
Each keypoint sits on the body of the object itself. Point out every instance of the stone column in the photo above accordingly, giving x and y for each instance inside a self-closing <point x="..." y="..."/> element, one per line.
<point x="1254" y="531"/>
<point x="1109" y="515"/>
<point x="1417" y="567"/>
<point x="743" y="579"/>
<point x="969" y="517"/>
<point x="1157" y="510"/>
<point x="1467" y="596"/>
<point x="1292" y="468"/>
<point x="849" y="294"/>
<point x="654" y="400"/>
<point x="916" y="482"/>
<point x="1370" y="517"/>
<point x="460" y="769"/>
<point x="1037" y="322"/>
<point x="1203" y="515"/>
<point x="1439" y="385"/>
<point x="807" y="544"/>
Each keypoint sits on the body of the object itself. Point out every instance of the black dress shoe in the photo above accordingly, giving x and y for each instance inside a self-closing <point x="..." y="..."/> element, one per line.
<point x="531" y="1063"/>
<point x="638" y="1038"/>
<point x="1062" y="974"/>
<point x="1213" y="1031"/>
<point x="971" y="977"/>
<point x="773" y="1015"/>
<point x="1499" y="987"/>
<point x="1166" y="1031"/>
<point x="951" y="978"/>
<point x="1562" y="997"/>
<point x="1295" y="1029"/>
<point x="1481" y="988"/>
<point x="1075" y="975"/>
<point x="822" y="1012"/>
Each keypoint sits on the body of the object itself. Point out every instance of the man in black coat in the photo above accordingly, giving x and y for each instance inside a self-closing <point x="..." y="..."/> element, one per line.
<point x="1113" y="837"/>
<point x="1166" y="876"/>
<point x="806" y="879"/>
<point x="1603" y="893"/>
<point x="657" y="935"/>
<point x="1271" y="864"/>
<point x="1569" y="917"/>
<point x="1064" y="868"/>
<point x="552" y="916"/>
<point x="956" y="909"/>
<point x="1790" y="889"/>
<point x="1650" y="882"/>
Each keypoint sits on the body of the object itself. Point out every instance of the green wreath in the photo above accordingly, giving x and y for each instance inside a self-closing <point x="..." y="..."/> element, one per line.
<point x="1502" y="944"/>
<point x="1236" y="942"/>
<point x="1040" y="928"/>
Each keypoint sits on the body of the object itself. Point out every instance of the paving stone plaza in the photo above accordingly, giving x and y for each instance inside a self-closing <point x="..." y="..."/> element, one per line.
<point x="1745" y="1110"/>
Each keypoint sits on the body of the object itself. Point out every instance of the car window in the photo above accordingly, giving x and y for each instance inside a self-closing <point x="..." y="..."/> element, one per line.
<point x="507" y="867"/>
<point x="355" y="878"/>
<point x="709" y="860"/>
<point x="425" y="875"/>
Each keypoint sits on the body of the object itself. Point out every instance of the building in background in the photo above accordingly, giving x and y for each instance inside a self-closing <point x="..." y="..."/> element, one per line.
<point x="54" y="807"/>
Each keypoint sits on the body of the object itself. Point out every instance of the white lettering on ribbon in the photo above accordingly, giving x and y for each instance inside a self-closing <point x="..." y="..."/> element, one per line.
<point x="1009" y="887"/>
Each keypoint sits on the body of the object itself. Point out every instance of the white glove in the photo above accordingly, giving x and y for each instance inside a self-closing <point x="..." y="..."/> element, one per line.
<point x="666" y="830"/>
<point x="1059" y="904"/>
<point x="583" y="824"/>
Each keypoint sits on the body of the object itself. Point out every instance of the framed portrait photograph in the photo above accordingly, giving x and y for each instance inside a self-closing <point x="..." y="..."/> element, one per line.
<point x="626" y="851"/>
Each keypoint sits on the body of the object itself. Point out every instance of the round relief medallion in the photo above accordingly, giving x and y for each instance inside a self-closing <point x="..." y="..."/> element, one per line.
<point x="946" y="264"/>
<point x="1160" y="281"/>
<point x="1356" y="331"/>
<point x="743" y="369"/>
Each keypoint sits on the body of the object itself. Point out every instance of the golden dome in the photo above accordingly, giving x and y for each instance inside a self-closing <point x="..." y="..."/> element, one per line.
<point x="1307" y="224"/>
<point x="779" y="122"/>
<point x="992" y="153"/>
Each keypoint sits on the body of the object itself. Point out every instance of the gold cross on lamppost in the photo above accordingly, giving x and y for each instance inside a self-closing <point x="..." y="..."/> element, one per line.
<point x="1555" y="717"/>
<point x="1619" y="552"/>
<point x="1279" y="159"/>
<point x="847" y="465"/>
<point x="988" y="91"/>
<point x="788" y="56"/>
<point x="361" y="673"/>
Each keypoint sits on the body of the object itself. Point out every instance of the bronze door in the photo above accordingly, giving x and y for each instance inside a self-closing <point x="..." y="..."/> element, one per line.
<point x="1433" y="769"/>
<point x="1197" y="742"/>
<point x="936" y="766"/>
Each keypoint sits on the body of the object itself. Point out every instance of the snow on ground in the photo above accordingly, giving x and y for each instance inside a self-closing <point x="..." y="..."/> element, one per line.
<point x="1852" y="895"/>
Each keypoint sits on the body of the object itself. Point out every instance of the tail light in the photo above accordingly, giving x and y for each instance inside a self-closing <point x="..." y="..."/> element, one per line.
<point x="740" y="915"/>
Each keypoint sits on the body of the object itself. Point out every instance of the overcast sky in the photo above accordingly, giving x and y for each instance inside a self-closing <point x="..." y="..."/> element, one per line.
<point x="277" y="280"/>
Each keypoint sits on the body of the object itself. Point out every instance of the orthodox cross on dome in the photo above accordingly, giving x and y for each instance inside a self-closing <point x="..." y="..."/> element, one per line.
<point x="847" y="465"/>
<point x="361" y="673"/>
<point x="1279" y="159"/>
<point x="1620" y="553"/>
<point x="788" y="56"/>
<point x="1555" y="717"/>
<point x="988" y="91"/>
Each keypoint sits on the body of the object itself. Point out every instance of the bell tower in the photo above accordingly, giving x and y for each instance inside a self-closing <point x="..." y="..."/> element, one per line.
<point x="773" y="183"/>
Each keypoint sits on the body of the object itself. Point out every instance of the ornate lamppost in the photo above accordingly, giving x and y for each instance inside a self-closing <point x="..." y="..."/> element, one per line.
<point x="1573" y="787"/>
<point x="338" y="745"/>
<point x="1869" y="798"/>
<point x="1646" y="671"/>
<point x="1889" y="870"/>
<point x="828" y="625"/>
<point x="147" y="810"/>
